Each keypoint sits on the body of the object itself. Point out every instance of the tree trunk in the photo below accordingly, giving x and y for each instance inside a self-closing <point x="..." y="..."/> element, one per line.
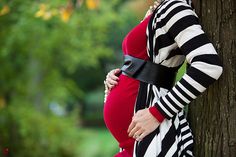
<point x="213" y="115"/>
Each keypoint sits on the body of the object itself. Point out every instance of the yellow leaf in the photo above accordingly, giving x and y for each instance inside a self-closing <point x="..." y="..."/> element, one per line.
<point x="4" y="10"/>
<point x="92" y="4"/>
<point x="66" y="14"/>
<point x="41" y="11"/>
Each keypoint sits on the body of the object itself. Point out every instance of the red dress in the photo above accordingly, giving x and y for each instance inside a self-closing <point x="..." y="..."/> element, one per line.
<point x="119" y="106"/>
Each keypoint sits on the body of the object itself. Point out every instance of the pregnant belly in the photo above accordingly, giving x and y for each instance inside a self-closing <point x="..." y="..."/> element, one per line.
<point x="119" y="107"/>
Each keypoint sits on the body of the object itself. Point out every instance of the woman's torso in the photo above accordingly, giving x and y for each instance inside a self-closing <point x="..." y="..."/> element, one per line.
<point x="119" y="106"/>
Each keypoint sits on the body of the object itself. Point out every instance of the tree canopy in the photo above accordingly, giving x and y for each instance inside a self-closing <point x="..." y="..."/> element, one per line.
<point x="53" y="57"/>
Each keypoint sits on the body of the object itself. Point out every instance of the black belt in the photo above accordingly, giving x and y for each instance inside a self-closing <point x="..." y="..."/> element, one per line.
<point x="149" y="72"/>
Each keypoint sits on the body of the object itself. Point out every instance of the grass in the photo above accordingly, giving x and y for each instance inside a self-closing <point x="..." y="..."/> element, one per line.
<point x="98" y="142"/>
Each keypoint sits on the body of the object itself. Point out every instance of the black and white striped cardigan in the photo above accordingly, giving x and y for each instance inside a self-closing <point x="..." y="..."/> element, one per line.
<point x="175" y="35"/>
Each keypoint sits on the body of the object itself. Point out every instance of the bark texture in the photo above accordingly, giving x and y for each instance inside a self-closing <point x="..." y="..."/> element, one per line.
<point x="212" y="115"/>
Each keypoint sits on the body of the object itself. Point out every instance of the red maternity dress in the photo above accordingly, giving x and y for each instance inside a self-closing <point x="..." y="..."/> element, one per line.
<point x="119" y="106"/>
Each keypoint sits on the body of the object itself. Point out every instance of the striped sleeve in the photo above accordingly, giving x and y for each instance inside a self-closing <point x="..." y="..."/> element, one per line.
<point x="205" y="66"/>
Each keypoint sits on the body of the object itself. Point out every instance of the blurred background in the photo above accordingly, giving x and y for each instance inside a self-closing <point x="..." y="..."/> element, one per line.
<point x="54" y="56"/>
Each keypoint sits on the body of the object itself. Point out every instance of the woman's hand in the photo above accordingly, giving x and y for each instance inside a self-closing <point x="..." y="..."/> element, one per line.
<point x="112" y="79"/>
<point x="143" y="123"/>
<point x="110" y="82"/>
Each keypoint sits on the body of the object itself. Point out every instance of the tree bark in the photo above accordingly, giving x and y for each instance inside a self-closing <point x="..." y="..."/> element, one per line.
<point x="212" y="115"/>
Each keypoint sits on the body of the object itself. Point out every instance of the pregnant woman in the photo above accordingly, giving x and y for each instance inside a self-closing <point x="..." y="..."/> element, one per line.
<point x="119" y="106"/>
<point x="143" y="108"/>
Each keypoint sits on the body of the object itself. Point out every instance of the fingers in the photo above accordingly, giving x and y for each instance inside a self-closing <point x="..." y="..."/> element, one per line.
<point x="134" y="127"/>
<point x="110" y="87"/>
<point x="117" y="71"/>
<point x="111" y="82"/>
<point x="112" y="79"/>
<point x="134" y="122"/>
<point x="113" y="74"/>
<point x="134" y="131"/>
<point x="141" y="136"/>
<point x="131" y="126"/>
<point x="137" y="133"/>
<point x="143" y="123"/>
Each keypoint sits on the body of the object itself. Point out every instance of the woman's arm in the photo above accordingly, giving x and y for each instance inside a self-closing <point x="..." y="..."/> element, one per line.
<point x="205" y="65"/>
<point x="181" y="23"/>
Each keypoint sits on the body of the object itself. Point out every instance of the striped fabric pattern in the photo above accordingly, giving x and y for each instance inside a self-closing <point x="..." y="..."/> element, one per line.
<point x="175" y="35"/>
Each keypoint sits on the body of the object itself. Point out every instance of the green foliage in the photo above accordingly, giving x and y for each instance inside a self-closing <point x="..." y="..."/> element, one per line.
<point x="181" y="71"/>
<point x="99" y="143"/>
<point x="48" y="59"/>
<point x="31" y="133"/>
<point x="28" y="133"/>
<point x="93" y="110"/>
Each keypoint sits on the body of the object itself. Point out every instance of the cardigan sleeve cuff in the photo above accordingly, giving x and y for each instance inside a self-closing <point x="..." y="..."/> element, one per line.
<point x="156" y="113"/>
